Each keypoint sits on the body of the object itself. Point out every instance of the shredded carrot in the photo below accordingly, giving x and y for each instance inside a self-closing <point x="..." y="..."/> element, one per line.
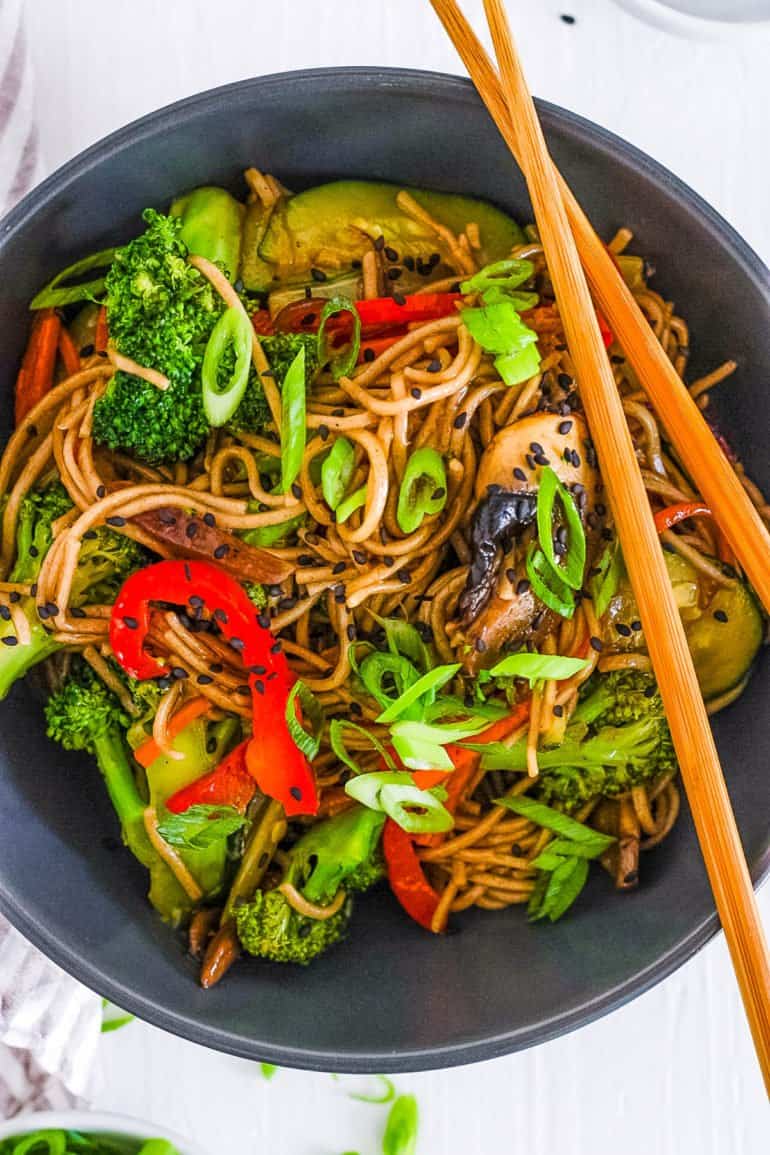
<point x="36" y="374"/>
<point x="68" y="353"/>
<point x="101" y="334"/>
<point x="150" y="750"/>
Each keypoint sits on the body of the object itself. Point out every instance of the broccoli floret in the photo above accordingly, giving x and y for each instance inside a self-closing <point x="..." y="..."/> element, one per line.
<point x="253" y="413"/>
<point x="160" y="313"/>
<point x="106" y="559"/>
<point x="617" y="738"/>
<point x="257" y="594"/>
<point x="342" y="851"/>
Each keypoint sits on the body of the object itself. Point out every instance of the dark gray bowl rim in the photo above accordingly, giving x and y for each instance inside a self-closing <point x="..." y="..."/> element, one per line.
<point x="437" y="85"/>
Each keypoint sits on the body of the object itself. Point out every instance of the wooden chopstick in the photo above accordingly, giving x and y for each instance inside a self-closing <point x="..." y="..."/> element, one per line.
<point x="683" y="421"/>
<point x="690" y="730"/>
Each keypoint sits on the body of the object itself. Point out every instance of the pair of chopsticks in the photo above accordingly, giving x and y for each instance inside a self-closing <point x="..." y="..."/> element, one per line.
<point x="568" y="237"/>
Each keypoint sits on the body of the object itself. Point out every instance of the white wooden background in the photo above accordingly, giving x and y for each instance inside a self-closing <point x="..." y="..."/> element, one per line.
<point x="673" y="1072"/>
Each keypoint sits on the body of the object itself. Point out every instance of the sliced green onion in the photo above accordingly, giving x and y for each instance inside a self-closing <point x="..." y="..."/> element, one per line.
<point x="307" y="742"/>
<point x="387" y="1095"/>
<point x="42" y="1143"/>
<point x="498" y="328"/>
<point x="222" y="398"/>
<point x="341" y="361"/>
<point x="516" y="367"/>
<point x="293" y="417"/>
<point x="337" y="471"/>
<point x="55" y="295"/>
<point x="350" y="505"/>
<point x="400" y="1136"/>
<point x="562" y="888"/>
<point x="376" y="667"/>
<point x="507" y="274"/>
<point x="604" y="583"/>
<point x="423" y="687"/>
<point x="423" y="489"/>
<point x="403" y="638"/>
<point x="263" y="536"/>
<point x="557" y="822"/>
<point x="451" y="706"/>
<point x="337" y="726"/>
<point x="366" y="787"/>
<point x="575" y="560"/>
<point x="268" y="1070"/>
<point x="420" y="745"/>
<point x="547" y="585"/>
<point x="537" y="667"/>
<point x="398" y="802"/>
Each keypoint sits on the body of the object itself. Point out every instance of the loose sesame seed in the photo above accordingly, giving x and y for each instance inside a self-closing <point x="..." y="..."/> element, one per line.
<point x="221" y="551"/>
<point x="100" y="491"/>
<point x="10" y="640"/>
<point x="438" y="494"/>
<point x="416" y="392"/>
<point x="623" y="629"/>
<point x="511" y="575"/>
<point x="404" y="575"/>
<point x="519" y="474"/>
<point x="720" y="615"/>
<point x="187" y="573"/>
<point x="529" y="460"/>
<point x="237" y="644"/>
<point x="651" y="691"/>
<point x="42" y="613"/>
<point x="558" y="711"/>
<point x="209" y="520"/>
<point x="523" y="586"/>
<point x="564" y="427"/>
<point x="323" y="432"/>
<point x="460" y="421"/>
<point x="5" y="613"/>
<point x="296" y="793"/>
<point x="130" y="622"/>
<point x="480" y="645"/>
<point x="204" y="679"/>
<point x="339" y="596"/>
<point x="536" y="447"/>
<point x="379" y="244"/>
<point x="369" y="355"/>
<point x="434" y="366"/>
<point x="390" y="253"/>
<point x="596" y="644"/>
<point x="318" y="275"/>
<point x="541" y="459"/>
<point x="567" y="19"/>
<point x="339" y="567"/>
<point x="117" y="521"/>
<point x="178" y="672"/>
<point x="243" y="689"/>
<point x="220" y="615"/>
<point x="14" y="596"/>
<point x="636" y="625"/>
<point x="191" y="530"/>
<point x="359" y="557"/>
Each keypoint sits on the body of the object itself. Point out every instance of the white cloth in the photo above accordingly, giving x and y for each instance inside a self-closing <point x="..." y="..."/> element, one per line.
<point x="49" y="1024"/>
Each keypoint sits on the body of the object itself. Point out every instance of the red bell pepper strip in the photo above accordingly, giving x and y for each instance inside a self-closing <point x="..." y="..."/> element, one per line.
<point x="670" y="516"/>
<point x="406" y="876"/>
<point x="607" y="334"/>
<point x="273" y="759"/>
<point x="230" y="784"/>
<point x="376" y="314"/>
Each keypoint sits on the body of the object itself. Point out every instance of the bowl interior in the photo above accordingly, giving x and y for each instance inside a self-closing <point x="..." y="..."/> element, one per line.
<point x="391" y="997"/>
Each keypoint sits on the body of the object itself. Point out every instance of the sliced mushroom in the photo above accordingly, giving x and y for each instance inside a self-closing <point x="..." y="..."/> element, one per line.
<point x="617" y="817"/>
<point x="497" y="607"/>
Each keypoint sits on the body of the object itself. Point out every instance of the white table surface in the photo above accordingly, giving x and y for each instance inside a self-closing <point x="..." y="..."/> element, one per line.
<point x="673" y="1072"/>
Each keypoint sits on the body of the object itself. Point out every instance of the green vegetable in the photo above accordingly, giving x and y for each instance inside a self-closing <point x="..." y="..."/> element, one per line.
<point x="55" y="295"/>
<point x="394" y="792"/>
<point x="341" y="361"/>
<point x="337" y="471"/>
<point x="211" y="222"/>
<point x="160" y="312"/>
<point x="337" y="726"/>
<point x="617" y="738"/>
<point x="551" y="490"/>
<point x="517" y="367"/>
<point x="113" y="1018"/>
<point x="404" y="638"/>
<point x="387" y="1095"/>
<point x="423" y="489"/>
<point x="547" y="585"/>
<point x="200" y="826"/>
<point x="378" y="671"/>
<point x="350" y="505"/>
<point x="420" y="745"/>
<point x="308" y="742"/>
<point x="537" y="667"/>
<point x="293" y="429"/>
<point x="53" y="1142"/>
<point x="330" y="226"/>
<point x="105" y="561"/>
<point x="497" y="282"/>
<point x="400" y="1136"/>
<point x="342" y="851"/>
<point x="604" y="582"/>
<point x="425" y="687"/>
<point x="499" y="329"/>
<point x="268" y="1070"/>
<point x="567" y="828"/>
<point x="223" y="391"/>
<point x="561" y="888"/>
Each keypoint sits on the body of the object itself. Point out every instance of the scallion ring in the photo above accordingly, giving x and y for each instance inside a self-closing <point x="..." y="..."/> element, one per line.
<point x="551" y="490"/>
<point x="224" y="383"/>
<point x="341" y="361"/>
<point x="423" y="489"/>
<point x="308" y="742"/>
<point x="547" y="585"/>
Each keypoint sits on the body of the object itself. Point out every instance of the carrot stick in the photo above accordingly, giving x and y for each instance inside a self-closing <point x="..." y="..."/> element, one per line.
<point x="36" y="376"/>
<point x="68" y="353"/>
<point x="101" y="334"/>
<point x="150" y="750"/>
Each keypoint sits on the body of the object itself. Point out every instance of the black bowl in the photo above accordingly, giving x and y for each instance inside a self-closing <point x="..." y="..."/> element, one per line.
<point x="391" y="997"/>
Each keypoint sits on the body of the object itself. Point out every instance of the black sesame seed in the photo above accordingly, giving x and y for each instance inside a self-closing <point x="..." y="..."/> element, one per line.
<point x="220" y="615"/>
<point x="558" y="711"/>
<point x="238" y="286"/>
<point x="323" y="432"/>
<point x="130" y="622"/>
<point x="511" y="575"/>
<point x="391" y="254"/>
<point x="305" y="559"/>
<point x="480" y="645"/>
<point x="434" y="366"/>
<point x="536" y="447"/>
<point x="296" y="491"/>
<point x="434" y="259"/>
<point x="394" y="273"/>
<point x="720" y="616"/>
<point x="651" y="691"/>
<point x="369" y="355"/>
<point x="296" y="793"/>
<point x="522" y="587"/>
<point x="221" y="551"/>
<point x="187" y="573"/>
<point x="565" y="426"/>
<point x="5" y="613"/>
<point x="623" y="629"/>
<point x="87" y="351"/>
<point x="34" y="551"/>
<point x="42" y="613"/>
<point x="33" y="589"/>
<point x="460" y="421"/>
<point x="529" y="460"/>
<point x="386" y="560"/>
<point x="339" y="567"/>
<point x="559" y="549"/>
<point x="100" y="491"/>
<point x="318" y="275"/>
<point x="339" y="595"/>
<point x="76" y="612"/>
<point x="351" y="633"/>
<point x="243" y="689"/>
<point x="596" y="644"/>
<point x="273" y="591"/>
<point x="204" y="679"/>
<point x="416" y="392"/>
<point x="438" y="494"/>
<point x="209" y="520"/>
<point x="237" y="644"/>
<point x="287" y="603"/>
<point x="163" y="683"/>
<point x="636" y="625"/>
<point x="519" y="474"/>
<point x="404" y="575"/>
<point x="567" y="19"/>
<point x="14" y="596"/>
<point x="338" y="412"/>
<point x="409" y="264"/>
<point x="178" y="672"/>
<point x="601" y="509"/>
<point x="541" y="459"/>
<point x="191" y="529"/>
<point x="379" y="244"/>
<point x="359" y="557"/>
<point x="561" y="534"/>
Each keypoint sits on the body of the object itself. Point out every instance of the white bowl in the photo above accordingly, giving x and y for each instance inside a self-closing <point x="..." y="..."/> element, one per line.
<point x="702" y="18"/>
<point x="95" y="1123"/>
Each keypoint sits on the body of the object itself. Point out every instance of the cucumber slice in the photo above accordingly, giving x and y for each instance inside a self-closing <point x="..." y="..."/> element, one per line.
<point x="722" y="651"/>
<point x="348" y="285"/>
<point x="330" y="226"/>
<point x="258" y="276"/>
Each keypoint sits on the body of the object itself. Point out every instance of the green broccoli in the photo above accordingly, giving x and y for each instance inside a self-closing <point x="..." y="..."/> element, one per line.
<point x="253" y="414"/>
<point x="617" y="738"/>
<point x="160" y="312"/>
<point x="342" y="851"/>
<point x="106" y="559"/>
